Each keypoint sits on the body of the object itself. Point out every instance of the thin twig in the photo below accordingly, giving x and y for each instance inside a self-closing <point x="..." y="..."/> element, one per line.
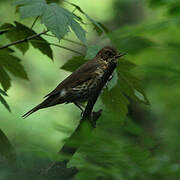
<point x="69" y="40"/>
<point x="23" y="40"/>
<point x="50" y="35"/>
<point x="34" y="22"/>
<point x="75" y="42"/>
<point x="74" y="10"/>
<point x="63" y="47"/>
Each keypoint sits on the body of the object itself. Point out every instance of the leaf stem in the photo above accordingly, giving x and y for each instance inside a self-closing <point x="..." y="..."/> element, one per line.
<point x="75" y="42"/>
<point x="63" y="47"/>
<point x="69" y="40"/>
<point x="34" y="22"/>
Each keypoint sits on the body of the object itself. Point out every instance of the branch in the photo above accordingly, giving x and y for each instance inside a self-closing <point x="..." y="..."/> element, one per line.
<point x="23" y="40"/>
<point x="86" y="125"/>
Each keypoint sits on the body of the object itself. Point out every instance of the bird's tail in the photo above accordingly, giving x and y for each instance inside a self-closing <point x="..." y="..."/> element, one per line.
<point x="50" y="101"/>
<point x="31" y="111"/>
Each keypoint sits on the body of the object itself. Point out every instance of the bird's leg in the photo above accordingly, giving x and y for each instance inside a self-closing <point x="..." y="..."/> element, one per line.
<point x="80" y="107"/>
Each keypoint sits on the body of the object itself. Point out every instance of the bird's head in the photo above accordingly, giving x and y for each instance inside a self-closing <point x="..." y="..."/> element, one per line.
<point x="109" y="54"/>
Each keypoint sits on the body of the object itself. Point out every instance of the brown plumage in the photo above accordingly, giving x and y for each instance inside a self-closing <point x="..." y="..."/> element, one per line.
<point x="79" y="86"/>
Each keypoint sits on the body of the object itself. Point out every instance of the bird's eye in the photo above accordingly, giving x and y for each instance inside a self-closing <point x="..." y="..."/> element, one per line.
<point x="109" y="53"/>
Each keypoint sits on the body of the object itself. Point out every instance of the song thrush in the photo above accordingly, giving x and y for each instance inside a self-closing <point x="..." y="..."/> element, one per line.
<point x="82" y="83"/>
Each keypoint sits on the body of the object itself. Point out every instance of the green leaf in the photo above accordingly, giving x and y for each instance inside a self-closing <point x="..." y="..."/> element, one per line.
<point x="41" y="44"/>
<point x="99" y="31"/>
<point x="3" y="92"/>
<point x="12" y="64"/>
<point x="58" y="20"/>
<point x="38" y="42"/>
<point x="157" y="3"/>
<point x="7" y="150"/>
<point x="113" y="81"/>
<point x="24" y="2"/>
<point x="133" y="128"/>
<point x="115" y="102"/>
<point x="92" y="51"/>
<point x="3" y="101"/>
<point x="174" y="9"/>
<point x="53" y="1"/>
<point x="4" y="79"/>
<point x="80" y="33"/>
<point x="130" y="85"/>
<point x="32" y="9"/>
<point x="15" y="34"/>
<point x="72" y="64"/>
<point x="5" y="28"/>
<point x="96" y="24"/>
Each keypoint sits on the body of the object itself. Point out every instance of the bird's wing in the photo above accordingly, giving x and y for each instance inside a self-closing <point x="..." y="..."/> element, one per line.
<point x="81" y="75"/>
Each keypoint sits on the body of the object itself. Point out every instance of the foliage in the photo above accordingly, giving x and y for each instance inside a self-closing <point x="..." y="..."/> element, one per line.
<point x="12" y="64"/>
<point x="7" y="150"/>
<point x="57" y="19"/>
<point x="21" y="31"/>
<point x="129" y="142"/>
<point x="2" y="93"/>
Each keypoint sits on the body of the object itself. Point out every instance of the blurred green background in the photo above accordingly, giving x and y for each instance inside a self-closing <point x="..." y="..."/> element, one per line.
<point x="146" y="145"/>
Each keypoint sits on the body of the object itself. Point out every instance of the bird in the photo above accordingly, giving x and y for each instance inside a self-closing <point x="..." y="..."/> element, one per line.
<point x="79" y="86"/>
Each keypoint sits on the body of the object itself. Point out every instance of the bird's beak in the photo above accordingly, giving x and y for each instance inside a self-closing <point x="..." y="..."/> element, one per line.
<point x="120" y="55"/>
